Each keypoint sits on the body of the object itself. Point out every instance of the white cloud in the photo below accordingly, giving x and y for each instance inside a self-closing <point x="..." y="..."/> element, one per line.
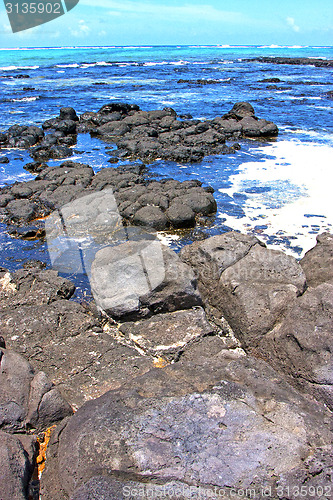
<point x="291" y="23"/>
<point x="81" y="30"/>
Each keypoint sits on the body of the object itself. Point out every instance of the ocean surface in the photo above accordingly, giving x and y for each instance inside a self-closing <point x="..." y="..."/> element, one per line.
<point x="279" y="190"/>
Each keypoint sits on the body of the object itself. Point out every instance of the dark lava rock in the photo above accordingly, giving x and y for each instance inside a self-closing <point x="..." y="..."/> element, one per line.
<point x="152" y="217"/>
<point x="270" y="80"/>
<point x="125" y="191"/>
<point x="140" y="134"/>
<point x="318" y="63"/>
<point x="138" y="278"/>
<point x="241" y="110"/>
<point x="21" y="136"/>
<point x="17" y="464"/>
<point x="302" y="344"/>
<point x="68" y="114"/>
<point x="199" y="201"/>
<point x="4" y="159"/>
<point x="229" y="423"/>
<point x="43" y="154"/>
<point x="66" y="126"/>
<point x="180" y="214"/>
<point x="200" y="81"/>
<point x="159" y="134"/>
<point x="21" y="210"/>
<point x="27" y="399"/>
<point x="250" y="285"/>
<point x="35" y="167"/>
<point x="62" y="338"/>
<point x="317" y="263"/>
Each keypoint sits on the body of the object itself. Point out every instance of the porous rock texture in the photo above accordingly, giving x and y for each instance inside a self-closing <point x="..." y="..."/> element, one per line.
<point x="62" y="337"/>
<point x="226" y="423"/>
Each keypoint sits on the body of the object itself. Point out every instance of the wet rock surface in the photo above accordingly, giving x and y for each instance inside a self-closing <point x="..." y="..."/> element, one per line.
<point x="220" y="423"/>
<point x="159" y="134"/>
<point x="145" y="135"/>
<point x="161" y="205"/>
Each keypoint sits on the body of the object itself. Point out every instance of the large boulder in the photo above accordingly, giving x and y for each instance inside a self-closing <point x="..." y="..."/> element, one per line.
<point x="317" y="263"/>
<point x="302" y="344"/>
<point x="221" y="423"/>
<point x="137" y="278"/>
<point x="257" y="290"/>
<point x="251" y="286"/>
<point x="242" y="109"/>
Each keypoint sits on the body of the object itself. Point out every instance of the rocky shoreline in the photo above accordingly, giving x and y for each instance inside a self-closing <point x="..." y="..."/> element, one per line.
<point x="318" y="63"/>
<point x="216" y="375"/>
<point x="143" y="135"/>
<point x="139" y="135"/>
<point x="207" y="372"/>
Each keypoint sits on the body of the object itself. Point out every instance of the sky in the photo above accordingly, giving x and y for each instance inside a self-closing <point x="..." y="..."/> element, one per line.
<point x="180" y="22"/>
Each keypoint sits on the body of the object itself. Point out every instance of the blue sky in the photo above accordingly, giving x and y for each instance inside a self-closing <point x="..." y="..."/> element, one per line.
<point x="148" y="22"/>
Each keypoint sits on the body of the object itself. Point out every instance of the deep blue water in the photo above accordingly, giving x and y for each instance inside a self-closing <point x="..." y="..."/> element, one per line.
<point x="87" y="78"/>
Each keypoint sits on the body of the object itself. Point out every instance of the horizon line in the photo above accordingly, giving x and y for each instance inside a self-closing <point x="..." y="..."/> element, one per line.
<point x="191" y="45"/>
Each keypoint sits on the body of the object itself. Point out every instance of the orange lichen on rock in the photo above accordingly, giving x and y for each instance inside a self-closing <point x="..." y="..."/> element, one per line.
<point x="41" y="458"/>
<point x="160" y="362"/>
